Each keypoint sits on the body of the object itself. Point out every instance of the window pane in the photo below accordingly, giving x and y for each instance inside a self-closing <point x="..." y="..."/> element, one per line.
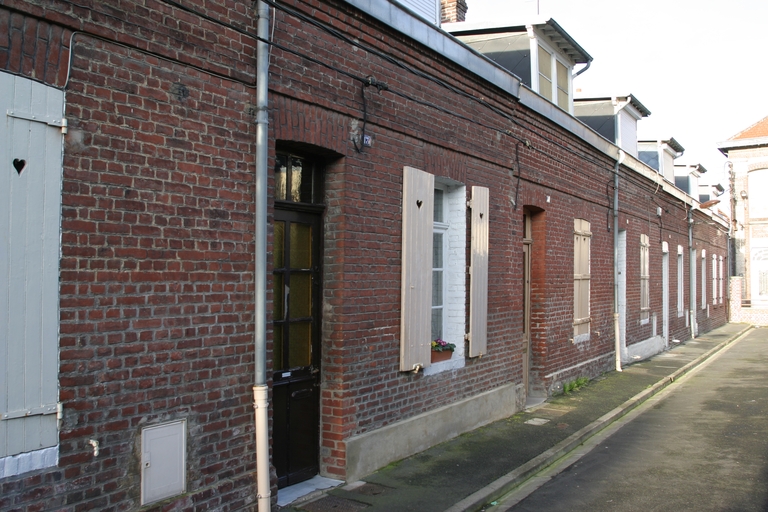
<point x="437" y="323"/>
<point x="562" y="76"/>
<point x="438" y="206"/>
<point x="300" y="298"/>
<point x="278" y="247"/>
<point x="300" y="344"/>
<point x="278" y="298"/>
<point x="296" y="175"/>
<point x="307" y="183"/>
<point x="277" y="337"/>
<point x="281" y="167"/>
<point x="301" y="246"/>
<point x="545" y="64"/>
<point x="437" y="250"/>
<point x="437" y="287"/>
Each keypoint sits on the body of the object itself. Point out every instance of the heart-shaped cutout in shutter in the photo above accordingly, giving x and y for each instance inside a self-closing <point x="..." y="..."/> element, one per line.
<point x="19" y="164"/>
<point x="419" y="202"/>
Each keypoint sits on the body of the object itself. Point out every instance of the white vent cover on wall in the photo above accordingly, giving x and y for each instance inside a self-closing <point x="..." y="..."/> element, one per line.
<point x="163" y="461"/>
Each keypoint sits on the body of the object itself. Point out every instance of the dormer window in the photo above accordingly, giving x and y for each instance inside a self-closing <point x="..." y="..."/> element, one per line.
<point x="554" y="79"/>
<point x="541" y="54"/>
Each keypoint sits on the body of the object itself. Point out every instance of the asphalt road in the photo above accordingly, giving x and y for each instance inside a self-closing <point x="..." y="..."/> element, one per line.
<point x="700" y="445"/>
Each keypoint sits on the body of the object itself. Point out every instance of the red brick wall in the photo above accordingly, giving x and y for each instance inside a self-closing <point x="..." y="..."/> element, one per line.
<point x="156" y="294"/>
<point x="156" y="291"/>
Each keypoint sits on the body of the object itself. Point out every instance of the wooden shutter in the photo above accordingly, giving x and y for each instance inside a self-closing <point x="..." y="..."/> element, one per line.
<point x="30" y="205"/>
<point x="416" y="283"/>
<point x="478" y="289"/>
<point x="645" y="294"/>
<point x="581" y="276"/>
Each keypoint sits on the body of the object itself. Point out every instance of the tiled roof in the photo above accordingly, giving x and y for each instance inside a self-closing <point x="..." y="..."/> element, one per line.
<point x="759" y="129"/>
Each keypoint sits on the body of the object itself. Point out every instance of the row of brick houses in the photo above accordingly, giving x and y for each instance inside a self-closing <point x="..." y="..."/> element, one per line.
<point x="416" y="189"/>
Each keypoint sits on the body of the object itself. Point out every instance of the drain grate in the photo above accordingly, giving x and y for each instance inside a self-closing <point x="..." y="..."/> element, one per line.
<point x="332" y="503"/>
<point x="369" y="489"/>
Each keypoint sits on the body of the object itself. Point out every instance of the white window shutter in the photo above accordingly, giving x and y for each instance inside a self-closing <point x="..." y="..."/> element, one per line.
<point x="416" y="284"/>
<point x="30" y="206"/>
<point x="478" y="289"/>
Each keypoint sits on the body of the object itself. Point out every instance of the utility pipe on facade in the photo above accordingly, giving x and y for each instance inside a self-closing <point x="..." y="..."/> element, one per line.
<point x="691" y="273"/>
<point x="616" y="326"/>
<point x="260" y="389"/>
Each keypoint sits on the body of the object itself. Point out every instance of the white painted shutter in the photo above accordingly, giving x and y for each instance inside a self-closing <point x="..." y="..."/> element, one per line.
<point x="416" y="284"/>
<point x="30" y="205"/>
<point x="478" y="288"/>
<point x="428" y="9"/>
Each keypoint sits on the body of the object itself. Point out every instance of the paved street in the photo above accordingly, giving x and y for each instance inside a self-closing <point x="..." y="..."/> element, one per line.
<point x="700" y="445"/>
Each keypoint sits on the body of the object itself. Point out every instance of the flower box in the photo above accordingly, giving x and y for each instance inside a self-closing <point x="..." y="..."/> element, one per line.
<point x="443" y="355"/>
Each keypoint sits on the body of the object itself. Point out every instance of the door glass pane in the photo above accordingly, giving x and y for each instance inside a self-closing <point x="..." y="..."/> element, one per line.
<point x="278" y="298"/>
<point x="300" y="299"/>
<point x="300" y="344"/>
<point x="277" y="336"/>
<point x="281" y="176"/>
<point x="278" y="248"/>
<point x="301" y="245"/>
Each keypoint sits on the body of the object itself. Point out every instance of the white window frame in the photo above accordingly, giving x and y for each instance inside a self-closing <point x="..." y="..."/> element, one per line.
<point x="645" y="292"/>
<point x="554" y="58"/>
<point x="417" y="270"/>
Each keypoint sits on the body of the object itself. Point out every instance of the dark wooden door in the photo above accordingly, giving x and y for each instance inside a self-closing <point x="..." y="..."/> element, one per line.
<point x="296" y="299"/>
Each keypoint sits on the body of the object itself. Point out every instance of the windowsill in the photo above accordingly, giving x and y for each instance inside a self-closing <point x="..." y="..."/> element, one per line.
<point x="15" y="465"/>
<point x="457" y="361"/>
<point x="645" y="321"/>
<point x="581" y="338"/>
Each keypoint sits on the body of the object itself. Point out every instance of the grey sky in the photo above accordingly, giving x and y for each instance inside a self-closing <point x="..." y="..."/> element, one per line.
<point x="700" y="67"/>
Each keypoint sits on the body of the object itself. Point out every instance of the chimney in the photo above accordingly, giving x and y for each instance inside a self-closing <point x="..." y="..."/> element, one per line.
<point x="452" y="11"/>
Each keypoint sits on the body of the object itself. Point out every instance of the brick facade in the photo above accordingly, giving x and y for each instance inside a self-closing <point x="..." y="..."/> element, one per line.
<point x="156" y="272"/>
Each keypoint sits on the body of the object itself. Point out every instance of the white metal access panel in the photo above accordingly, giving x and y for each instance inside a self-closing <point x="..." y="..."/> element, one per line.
<point x="30" y="218"/>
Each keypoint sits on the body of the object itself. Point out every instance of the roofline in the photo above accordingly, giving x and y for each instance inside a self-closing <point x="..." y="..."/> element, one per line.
<point x="741" y="144"/>
<point x="632" y="100"/>
<point x="696" y="167"/>
<point x="480" y="28"/>
<point x="671" y="142"/>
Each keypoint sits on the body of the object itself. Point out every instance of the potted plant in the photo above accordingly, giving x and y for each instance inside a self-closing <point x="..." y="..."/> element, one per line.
<point x="441" y="350"/>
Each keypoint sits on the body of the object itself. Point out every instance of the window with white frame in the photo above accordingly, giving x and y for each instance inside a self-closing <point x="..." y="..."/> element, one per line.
<point x="554" y="78"/>
<point x="645" y="291"/>
<point x="433" y="291"/>
<point x="703" y="279"/>
<point x="714" y="280"/>
<point x="582" y="237"/>
<point x="680" y="282"/>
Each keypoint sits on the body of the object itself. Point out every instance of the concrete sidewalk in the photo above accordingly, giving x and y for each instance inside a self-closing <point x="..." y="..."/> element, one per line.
<point x="476" y="468"/>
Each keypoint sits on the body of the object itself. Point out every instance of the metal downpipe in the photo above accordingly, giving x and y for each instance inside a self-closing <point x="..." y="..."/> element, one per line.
<point x="260" y="389"/>
<point x="616" y="325"/>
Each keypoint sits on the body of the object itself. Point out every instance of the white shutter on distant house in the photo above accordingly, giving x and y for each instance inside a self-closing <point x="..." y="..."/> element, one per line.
<point x="427" y="9"/>
<point x="478" y="288"/>
<point x="30" y="206"/>
<point x="581" y="276"/>
<point x="416" y="284"/>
